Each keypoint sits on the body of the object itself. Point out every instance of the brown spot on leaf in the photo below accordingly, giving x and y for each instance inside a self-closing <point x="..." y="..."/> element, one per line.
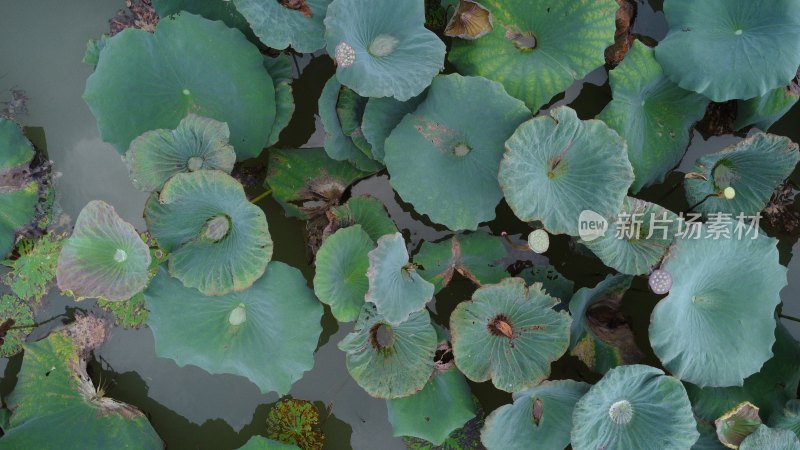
<point x="471" y="20"/>
<point x="623" y="39"/>
<point x="537" y="411"/>
<point x="297" y="5"/>
<point x="500" y="326"/>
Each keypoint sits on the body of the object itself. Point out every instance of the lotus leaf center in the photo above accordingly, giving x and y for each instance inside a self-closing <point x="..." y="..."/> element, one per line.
<point x="525" y="42"/>
<point x="724" y="174"/>
<point x="187" y="92"/>
<point x="738" y="32"/>
<point x="461" y="150"/>
<point x="383" y="45"/>
<point x="120" y="255"/>
<point x="500" y="326"/>
<point x="621" y="412"/>
<point x="217" y="228"/>
<point x="238" y="315"/>
<point x="195" y="163"/>
<point x="381" y="336"/>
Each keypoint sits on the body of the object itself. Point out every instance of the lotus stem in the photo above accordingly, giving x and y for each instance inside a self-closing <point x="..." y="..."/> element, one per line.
<point x="792" y="318"/>
<point x="514" y="245"/>
<point x="261" y="196"/>
<point x="722" y="194"/>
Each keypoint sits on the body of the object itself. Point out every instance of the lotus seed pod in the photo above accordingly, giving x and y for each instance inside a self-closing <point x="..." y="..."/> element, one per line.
<point x="729" y="193"/>
<point x="345" y="55"/>
<point x="660" y="281"/>
<point x="621" y="412"/>
<point x="539" y="241"/>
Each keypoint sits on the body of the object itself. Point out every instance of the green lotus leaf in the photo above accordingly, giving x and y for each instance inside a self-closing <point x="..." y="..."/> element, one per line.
<point x="104" y="257"/>
<point x="552" y="42"/>
<point x="223" y="10"/>
<point x="467" y="437"/>
<point x="703" y="50"/>
<point x="444" y="405"/>
<point x="34" y="270"/>
<point x="15" y="149"/>
<point x="267" y="333"/>
<point x="262" y="443"/>
<point x="395" y="286"/>
<point x="381" y="116"/>
<point x="390" y="361"/>
<point x="197" y="143"/>
<point x="737" y="424"/>
<point x="452" y="145"/>
<point x="557" y="166"/>
<point x="542" y="414"/>
<point x="787" y="418"/>
<point x="287" y="23"/>
<point x="340" y="279"/>
<point x="382" y="48"/>
<point x="508" y="333"/>
<point x="350" y="111"/>
<point x="765" y="438"/>
<point x="280" y="70"/>
<point x="306" y="181"/>
<point x="93" y="49"/>
<point x="638" y="237"/>
<point x="769" y="389"/>
<point x="634" y="406"/>
<point x="150" y="81"/>
<point x="754" y="168"/>
<point x="708" y="439"/>
<point x="295" y="422"/>
<point x="54" y="396"/>
<point x="762" y="112"/>
<point x="218" y="241"/>
<point x="18" y="195"/>
<point x="553" y="283"/>
<point x="474" y="256"/>
<point x="652" y="114"/>
<point x="366" y="211"/>
<point x="600" y="335"/>
<point x="17" y="315"/>
<point x="711" y="289"/>
<point x="338" y="145"/>
<point x="130" y="313"/>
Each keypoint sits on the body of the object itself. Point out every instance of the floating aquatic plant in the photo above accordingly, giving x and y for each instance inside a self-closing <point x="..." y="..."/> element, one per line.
<point x="474" y="256"/>
<point x="17" y="324"/>
<point x="33" y="271"/>
<point x="262" y="443"/>
<point x="293" y="421"/>
<point x="340" y="278"/>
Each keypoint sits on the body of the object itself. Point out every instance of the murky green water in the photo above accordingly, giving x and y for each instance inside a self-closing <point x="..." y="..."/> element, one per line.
<point x="41" y="46"/>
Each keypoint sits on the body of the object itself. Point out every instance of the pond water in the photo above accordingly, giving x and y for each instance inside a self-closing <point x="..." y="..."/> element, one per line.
<point x="41" y="46"/>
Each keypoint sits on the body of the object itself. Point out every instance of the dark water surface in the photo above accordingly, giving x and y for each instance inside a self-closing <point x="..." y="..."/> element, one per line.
<point x="41" y="46"/>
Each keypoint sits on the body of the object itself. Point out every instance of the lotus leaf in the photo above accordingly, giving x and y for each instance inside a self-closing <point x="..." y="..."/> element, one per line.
<point x="452" y="145"/>
<point x="382" y="48"/>
<point x="557" y="166"/>
<point x="366" y="211"/>
<point x="600" y="335"/>
<point x="765" y="438"/>
<point x="350" y="110"/>
<point x="262" y="443"/>
<point x="54" y="396"/>
<point x="444" y="405"/>
<point x="737" y="424"/>
<point x="33" y="271"/>
<point x="707" y="297"/>
<point x="634" y="406"/>
<point x="338" y="145"/>
<point x="788" y="418"/>
<point x="150" y="81"/>
<point x="287" y="23"/>
<point x="390" y="361"/>
<point x="509" y="333"/>
<point x="198" y="143"/>
<point x="18" y="196"/>
<point x="280" y="70"/>
<point x="104" y="257"/>
<point x="267" y="333"/>
<point x="542" y="414"/>
<point x="15" y="316"/>
<point x="474" y="256"/>
<point x="638" y="237"/>
<point x="295" y="422"/>
<point x="731" y="49"/>
<point x="754" y="168"/>
<point x="553" y="283"/>
<point x="395" y="286"/>
<point x="762" y="112"/>
<point x="306" y="182"/>
<point x="652" y="114"/>
<point x="218" y="241"/>
<point x="93" y="49"/>
<point x="340" y="279"/>
<point x="130" y="313"/>
<point x="470" y="20"/>
<point x="552" y="42"/>
<point x="223" y="10"/>
<point x="467" y="437"/>
<point x="381" y="116"/>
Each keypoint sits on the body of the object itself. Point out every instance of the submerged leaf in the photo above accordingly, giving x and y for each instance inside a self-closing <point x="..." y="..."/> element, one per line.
<point x="340" y="279"/>
<point x="475" y="256"/>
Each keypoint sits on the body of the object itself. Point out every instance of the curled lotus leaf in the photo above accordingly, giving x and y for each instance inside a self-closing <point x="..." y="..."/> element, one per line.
<point x="381" y="116"/>
<point x="295" y="422"/>
<point x="395" y="287"/>
<point x="197" y="143"/>
<point x="601" y="336"/>
<point x="218" y="241"/>
<point x="762" y="112"/>
<point x="350" y="111"/>
<point x="17" y="323"/>
<point x="509" y="333"/>
<point x="382" y="48"/>
<point x="104" y="257"/>
<point x="474" y="256"/>
<point x="287" y="23"/>
<point x="634" y="406"/>
<point x="542" y="414"/>
<point x="54" y="394"/>
<point x="267" y="333"/>
<point x="707" y="296"/>
<point x="470" y="20"/>
<point x="262" y="443"/>
<point x="366" y="211"/>
<point x="452" y="144"/>
<point x="553" y="283"/>
<point x="280" y="69"/>
<point x="340" y="279"/>
<point x="753" y="168"/>
<point x="652" y="114"/>
<point x="307" y="182"/>
<point x="184" y="73"/>
<point x="557" y="166"/>
<point x="735" y="425"/>
<point x="338" y="145"/>
<point x="787" y="418"/>
<point x="390" y="361"/>
<point x="765" y="438"/>
<point x="703" y="49"/>
<point x="637" y="239"/>
<point x="551" y="41"/>
<point x="18" y="195"/>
